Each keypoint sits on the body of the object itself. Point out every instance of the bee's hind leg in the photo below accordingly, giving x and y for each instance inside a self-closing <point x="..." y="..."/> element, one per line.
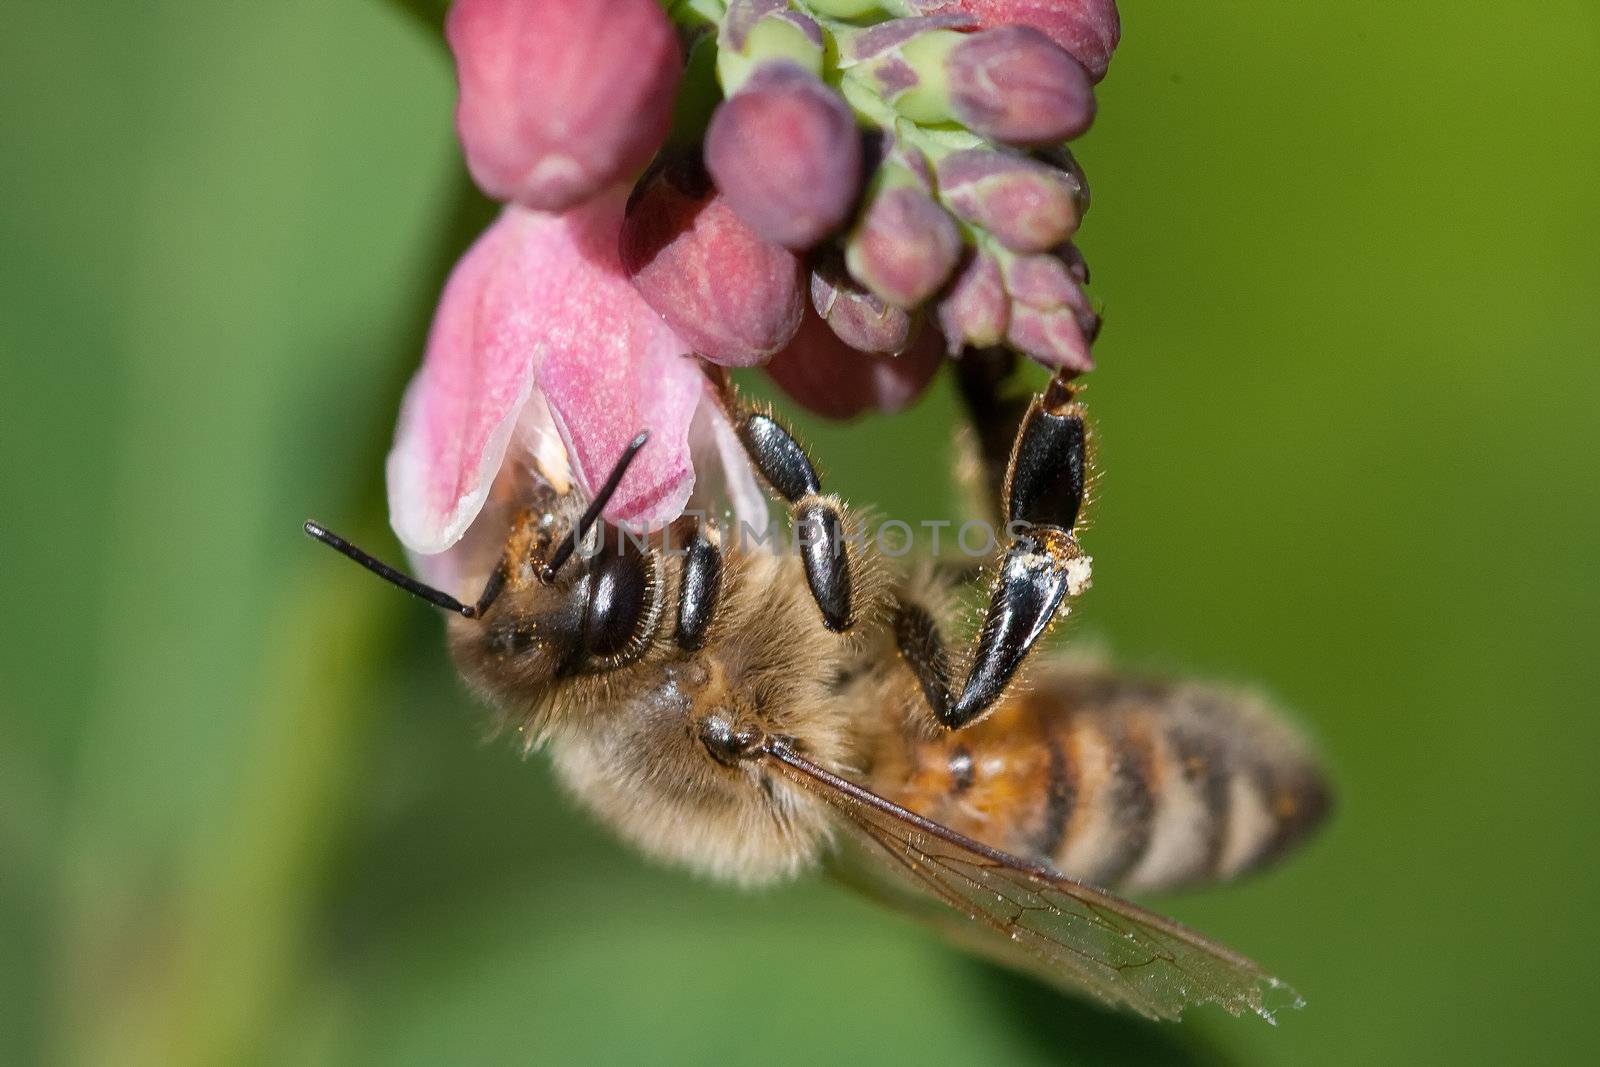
<point x="818" y="519"/>
<point x="983" y="447"/>
<point x="1042" y="565"/>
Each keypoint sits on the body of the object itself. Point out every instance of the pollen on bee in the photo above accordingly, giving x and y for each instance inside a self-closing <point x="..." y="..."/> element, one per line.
<point x="1079" y="574"/>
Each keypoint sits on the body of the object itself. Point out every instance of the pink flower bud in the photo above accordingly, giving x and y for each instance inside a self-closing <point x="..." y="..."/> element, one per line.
<point x="1044" y="282"/>
<point x="1054" y="281"/>
<point x="904" y="248"/>
<point x="1027" y="205"/>
<point x="736" y="298"/>
<point x="976" y="310"/>
<point x="786" y="152"/>
<point x="561" y="98"/>
<point x="860" y="319"/>
<point x="838" y="382"/>
<point x="1013" y="84"/>
<point x="1054" y="338"/>
<point x="1087" y="29"/>
<point x="1051" y="318"/>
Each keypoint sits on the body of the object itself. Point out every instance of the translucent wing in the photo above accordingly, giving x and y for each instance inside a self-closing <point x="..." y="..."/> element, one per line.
<point x="1030" y="917"/>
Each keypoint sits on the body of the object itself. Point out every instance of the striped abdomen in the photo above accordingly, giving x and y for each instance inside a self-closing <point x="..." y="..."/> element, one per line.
<point x="1116" y="781"/>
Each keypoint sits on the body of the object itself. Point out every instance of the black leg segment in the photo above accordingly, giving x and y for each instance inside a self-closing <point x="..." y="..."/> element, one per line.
<point x="1033" y="580"/>
<point x="1042" y="566"/>
<point x="827" y="561"/>
<point x="699" y="585"/>
<point x="818" y="525"/>
<point x="1046" y="480"/>
<point x="779" y="457"/>
<point x="918" y="637"/>
<point x="994" y="411"/>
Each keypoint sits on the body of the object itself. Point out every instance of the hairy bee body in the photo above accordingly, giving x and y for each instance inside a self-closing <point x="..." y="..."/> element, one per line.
<point x="1108" y="779"/>
<point x="739" y="709"/>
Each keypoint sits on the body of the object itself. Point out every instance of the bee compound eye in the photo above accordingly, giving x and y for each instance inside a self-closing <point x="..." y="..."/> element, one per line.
<point x="618" y="590"/>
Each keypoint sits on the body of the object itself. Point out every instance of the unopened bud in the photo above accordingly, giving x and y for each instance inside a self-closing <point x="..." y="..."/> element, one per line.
<point x="560" y="99"/>
<point x="820" y="371"/>
<point x="976" y="310"/>
<point x="859" y="318"/>
<point x="736" y="298"/>
<point x="1013" y="84"/>
<point x="1087" y="29"/>
<point x="786" y="152"/>
<point x="1054" y="338"/>
<point x="1050" y="282"/>
<point x="1051" y="318"/>
<point x="904" y="247"/>
<point x="1027" y="205"/>
<point x="1043" y="281"/>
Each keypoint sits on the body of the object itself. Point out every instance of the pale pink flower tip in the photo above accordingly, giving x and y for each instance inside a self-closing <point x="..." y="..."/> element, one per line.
<point x="539" y="312"/>
<point x="561" y="98"/>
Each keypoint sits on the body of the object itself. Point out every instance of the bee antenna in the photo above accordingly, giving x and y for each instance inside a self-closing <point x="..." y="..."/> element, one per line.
<point x="592" y="512"/>
<point x="438" y="598"/>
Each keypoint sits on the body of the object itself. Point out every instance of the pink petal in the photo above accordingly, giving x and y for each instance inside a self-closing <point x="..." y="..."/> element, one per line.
<point x="542" y="299"/>
<point x="462" y="569"/>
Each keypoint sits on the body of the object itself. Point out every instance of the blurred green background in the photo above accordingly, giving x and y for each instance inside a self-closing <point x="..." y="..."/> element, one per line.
<point x="1348" y="255"/>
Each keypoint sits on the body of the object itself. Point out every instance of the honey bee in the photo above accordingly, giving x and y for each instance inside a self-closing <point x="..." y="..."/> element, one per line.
<point x="752" y="713"/>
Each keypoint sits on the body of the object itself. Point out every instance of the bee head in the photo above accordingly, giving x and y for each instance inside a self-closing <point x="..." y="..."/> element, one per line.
<point x="546" y="611"/>
<point x="593" y="613"/>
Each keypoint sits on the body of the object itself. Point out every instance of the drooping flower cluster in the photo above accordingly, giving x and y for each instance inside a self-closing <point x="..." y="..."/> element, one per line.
<point x="922" y="139"/>
<point x="843" y="191"/>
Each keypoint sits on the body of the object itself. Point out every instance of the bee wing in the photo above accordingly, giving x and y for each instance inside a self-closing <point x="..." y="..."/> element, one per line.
<point x="1030" y="917"/>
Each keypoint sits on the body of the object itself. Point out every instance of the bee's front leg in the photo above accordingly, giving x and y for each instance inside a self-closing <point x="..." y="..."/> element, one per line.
<point x="818" y="519"/>
<point x="1042" y="565"/>
<point x="699" y="583"/>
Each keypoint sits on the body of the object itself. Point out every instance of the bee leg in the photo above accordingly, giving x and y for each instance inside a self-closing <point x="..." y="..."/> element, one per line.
<point x="984" y="449"/>
<point x="817" y="519"/>
<point x="1042" y="566"/>
<point x="699" y="584"/>
<point x="917" y="635"/>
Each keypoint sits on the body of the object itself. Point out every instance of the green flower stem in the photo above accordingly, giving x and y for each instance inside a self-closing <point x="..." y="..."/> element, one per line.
<point x="236" y="940"/>
<point x="872" y="109"/>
